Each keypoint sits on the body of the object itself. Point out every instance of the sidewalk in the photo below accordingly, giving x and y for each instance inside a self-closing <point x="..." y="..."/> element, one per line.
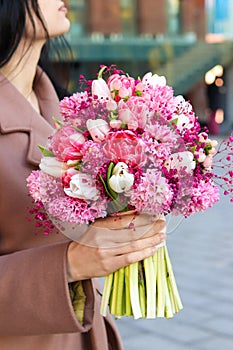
<point x="201" y="251"/>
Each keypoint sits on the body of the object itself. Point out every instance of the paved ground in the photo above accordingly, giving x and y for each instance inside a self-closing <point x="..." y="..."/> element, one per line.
<point x="201" y="250"/>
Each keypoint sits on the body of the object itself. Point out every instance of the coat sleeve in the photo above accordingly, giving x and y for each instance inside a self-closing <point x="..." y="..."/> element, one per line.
<point x="34" y="293"/>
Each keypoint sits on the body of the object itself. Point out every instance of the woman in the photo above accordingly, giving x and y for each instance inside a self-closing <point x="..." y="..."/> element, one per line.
<point x="36" y="271"/>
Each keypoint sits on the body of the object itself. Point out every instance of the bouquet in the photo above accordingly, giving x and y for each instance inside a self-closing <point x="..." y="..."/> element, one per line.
<point x="127" y="145"/>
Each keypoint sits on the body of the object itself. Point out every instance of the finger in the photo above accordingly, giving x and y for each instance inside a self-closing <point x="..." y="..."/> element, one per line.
<point x="124" y="221"/>
<point x="128" y="221"/>
<point x="140" y="244"/>
<point x="116" y="222"/>
<point x="158" y="226"/>
<point x="130" y="258"/>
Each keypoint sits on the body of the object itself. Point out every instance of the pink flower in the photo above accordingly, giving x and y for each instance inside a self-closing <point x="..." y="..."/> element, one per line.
<point x="208" y="162"/>
<point x="160" y="140"/>
<point x="92" y="157"/>
<point x="134" y="112"/>
<point x="67" y="143"/>
<point x="200" y="155"/>
<point x="98" y="129"/>
<point x="70" y="106"/>
<point x="125" y="146"/>
<point x="153" y="194"/>
<point x="121" y="87"/>
<point x="204" y="195"/>
<point x="213" y="144"/>
<point x="33" y="183"/>
<point x="115" y="123"/>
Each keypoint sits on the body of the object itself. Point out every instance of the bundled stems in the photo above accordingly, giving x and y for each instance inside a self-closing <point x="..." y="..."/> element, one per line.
<point x="143" y="290"/>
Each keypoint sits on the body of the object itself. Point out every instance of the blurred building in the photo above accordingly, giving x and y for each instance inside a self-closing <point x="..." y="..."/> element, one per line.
<point x="181" y="39"/>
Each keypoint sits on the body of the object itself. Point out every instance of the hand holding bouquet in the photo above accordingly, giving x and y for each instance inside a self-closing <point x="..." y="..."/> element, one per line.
<point x="127" y="145"/>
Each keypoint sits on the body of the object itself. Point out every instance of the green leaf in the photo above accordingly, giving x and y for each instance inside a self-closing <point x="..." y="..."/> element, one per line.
<point x="46" y="152"/>
<point x="77" y="129"/>
<point x="109" y="171"/>
<point x="112" y="194"/>
<point x="56" y="121"/>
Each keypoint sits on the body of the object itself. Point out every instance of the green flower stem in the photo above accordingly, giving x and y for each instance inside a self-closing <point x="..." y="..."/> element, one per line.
<point x="155" y="263"/>
<point x="160" y="283"/>
<point x="120" y="292"/>
<point x="170" y="292"/>
<point x="142" y="291"/>
<point x="113" y="298"/>
<point x="128" y="308"/>
<point x="106" y="294"/>
<point x="174" y="289"/>
<point x="135" y="289"/>
<point x="168" y="299"/>
<point x="134" y="292"/>
<point x="150" y="287"/>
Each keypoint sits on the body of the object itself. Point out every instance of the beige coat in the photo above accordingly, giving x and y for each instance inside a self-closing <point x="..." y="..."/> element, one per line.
<point x="35" y="308"/>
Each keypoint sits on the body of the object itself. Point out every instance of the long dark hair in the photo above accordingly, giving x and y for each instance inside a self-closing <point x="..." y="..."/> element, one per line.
<point x="12" y="27"/>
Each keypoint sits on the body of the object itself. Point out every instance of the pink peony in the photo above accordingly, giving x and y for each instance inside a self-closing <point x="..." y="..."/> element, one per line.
<point x="125" y="146"/>
<point x="134" y="112"/>
<point x="67" y="143"/>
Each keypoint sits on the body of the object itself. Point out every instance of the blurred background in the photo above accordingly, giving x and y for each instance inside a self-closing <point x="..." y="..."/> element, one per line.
<point x="191" y="43"/>
<point x="188" y="41"/>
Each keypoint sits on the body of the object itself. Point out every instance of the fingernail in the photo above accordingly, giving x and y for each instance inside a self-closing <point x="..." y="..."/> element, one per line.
<point x="153" y="250"/>
<point x="162" y="236"/>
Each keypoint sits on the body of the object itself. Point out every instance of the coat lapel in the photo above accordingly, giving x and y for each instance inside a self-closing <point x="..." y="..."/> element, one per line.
<point x="17" y="115"/>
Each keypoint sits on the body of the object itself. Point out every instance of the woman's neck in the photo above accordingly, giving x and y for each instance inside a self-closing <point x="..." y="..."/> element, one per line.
<point x="21" y="69"/>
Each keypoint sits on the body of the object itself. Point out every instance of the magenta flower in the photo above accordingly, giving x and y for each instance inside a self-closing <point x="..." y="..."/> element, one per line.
<point x="71" y="106"/>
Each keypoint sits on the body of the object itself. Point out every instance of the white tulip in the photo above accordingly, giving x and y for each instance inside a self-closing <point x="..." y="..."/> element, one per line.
<point x="98" y="129"/>
<point x="100" y="89"/>
<point x="82" y="187"/>
<point x="154" y="80"/>
<point x="121" y="180"/>
<point x="52" y="166"/>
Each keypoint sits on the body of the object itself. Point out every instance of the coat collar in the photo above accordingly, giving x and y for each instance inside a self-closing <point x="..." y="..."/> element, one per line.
<point x="17" y="115"/>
